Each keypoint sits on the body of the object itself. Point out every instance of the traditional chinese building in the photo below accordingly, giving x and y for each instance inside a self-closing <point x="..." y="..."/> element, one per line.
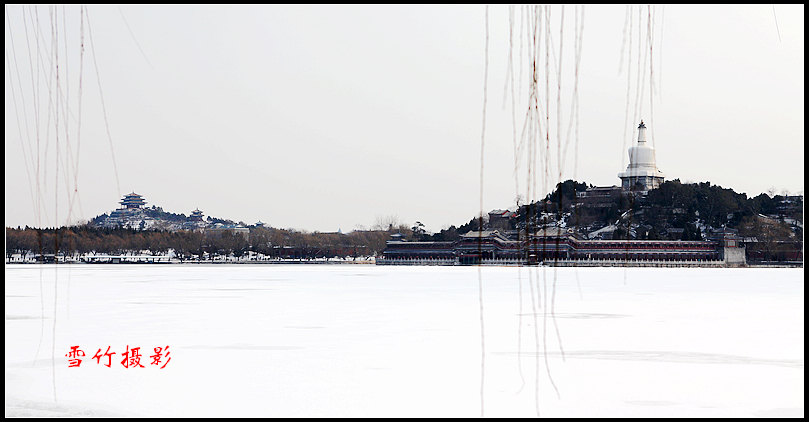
<point x="130" y="213"/>
<point x="133" y="200"/>
<point x="499" y="219"/>
<point x="558" y="246"/>
<point x="599" y="196"/>
<point x="194" y="221"/>
<point x="196" y="215"/>
<point x="642" y="173"/>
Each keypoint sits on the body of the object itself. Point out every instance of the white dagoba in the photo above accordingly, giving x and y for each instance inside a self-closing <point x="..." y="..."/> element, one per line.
<point x="641" y="173"/>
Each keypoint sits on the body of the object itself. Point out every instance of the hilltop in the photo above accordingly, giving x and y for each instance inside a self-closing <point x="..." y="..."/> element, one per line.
<point x="771" y="226"/>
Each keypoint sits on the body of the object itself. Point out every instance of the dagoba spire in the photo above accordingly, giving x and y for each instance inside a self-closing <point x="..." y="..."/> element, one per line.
<point x="641" y="133"/>
<point x="641" y="173"/>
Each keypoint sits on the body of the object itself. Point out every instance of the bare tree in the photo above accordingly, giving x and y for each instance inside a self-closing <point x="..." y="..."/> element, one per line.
<point x="388" y="222"/>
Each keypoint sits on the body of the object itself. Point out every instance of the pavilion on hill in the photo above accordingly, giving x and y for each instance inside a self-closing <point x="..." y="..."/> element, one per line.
<point x="196" y="215"/>
<point x="133" y="200"/>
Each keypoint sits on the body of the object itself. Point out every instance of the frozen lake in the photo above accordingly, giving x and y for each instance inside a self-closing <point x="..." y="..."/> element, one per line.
<point x="362" y="340"/>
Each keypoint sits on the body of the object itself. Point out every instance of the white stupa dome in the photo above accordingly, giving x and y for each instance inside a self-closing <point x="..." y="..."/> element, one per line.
<point x="642" y="166"/>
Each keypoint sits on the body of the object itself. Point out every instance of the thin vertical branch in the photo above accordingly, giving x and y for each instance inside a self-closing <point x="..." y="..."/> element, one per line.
<point x="480" y="216"/>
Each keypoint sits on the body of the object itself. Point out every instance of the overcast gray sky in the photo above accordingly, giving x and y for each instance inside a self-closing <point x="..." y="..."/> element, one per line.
<point x="327" y="117"/>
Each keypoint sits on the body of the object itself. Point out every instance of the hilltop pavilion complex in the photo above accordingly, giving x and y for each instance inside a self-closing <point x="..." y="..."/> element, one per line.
<point x="131" y="205"/>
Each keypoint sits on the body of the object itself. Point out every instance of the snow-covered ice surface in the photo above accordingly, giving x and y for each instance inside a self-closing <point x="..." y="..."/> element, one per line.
<point x="361" y="340"/>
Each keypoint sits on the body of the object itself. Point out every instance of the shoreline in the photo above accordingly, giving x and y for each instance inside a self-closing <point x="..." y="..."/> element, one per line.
<point x="661" y="264"/>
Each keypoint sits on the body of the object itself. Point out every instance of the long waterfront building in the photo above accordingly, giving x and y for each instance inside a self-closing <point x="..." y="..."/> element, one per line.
<point x="559" y="246"/>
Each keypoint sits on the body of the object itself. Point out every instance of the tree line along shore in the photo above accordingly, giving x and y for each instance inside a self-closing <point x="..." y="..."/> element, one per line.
<point x="771" y="226"/>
